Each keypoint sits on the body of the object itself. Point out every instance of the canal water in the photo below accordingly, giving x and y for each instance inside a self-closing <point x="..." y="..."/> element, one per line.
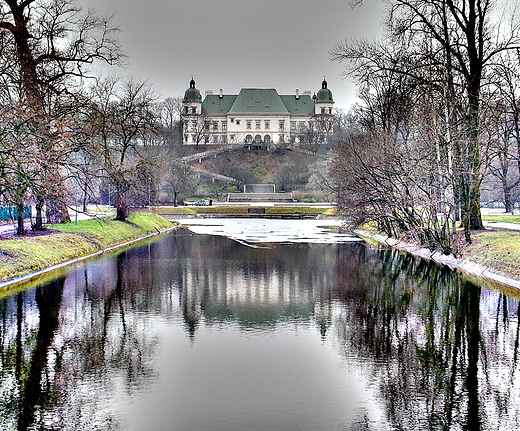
<point x="290" y="327"/>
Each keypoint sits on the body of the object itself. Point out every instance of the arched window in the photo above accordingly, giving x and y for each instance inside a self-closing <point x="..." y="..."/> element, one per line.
<point x="258" y="139"/>
<point x="249" y="139"/>
<point x="267" y="139"/>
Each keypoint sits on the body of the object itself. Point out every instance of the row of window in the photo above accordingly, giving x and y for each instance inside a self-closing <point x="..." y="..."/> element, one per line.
<point x="258" y="124"/>
<point x="223" y="125"/>
<point x="193" y="110"/>
<point x="300" y="125"/>
<point x="216" y="139"/>
<point x="249" y="125"/>
<point x="258" y="139"/>
<point x="214" y="126"/>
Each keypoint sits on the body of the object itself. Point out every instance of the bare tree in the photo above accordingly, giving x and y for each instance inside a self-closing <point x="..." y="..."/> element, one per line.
<point x="180" y="180"/>
<point x="52" y="44"/>
<point x="311" y="136"/>
<point x="171" y="125"/>
<point x="121" y="115"/>
<point x="200" y="129"/>
<point x="20" y="169"/>
<point x="316" y="132"/>
<point x="391" y="185"/>
<point x="504" y="127"/>
<point x="458" y="40"/>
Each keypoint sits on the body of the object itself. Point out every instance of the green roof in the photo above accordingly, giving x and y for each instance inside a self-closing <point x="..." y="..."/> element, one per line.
<point x="324" y="95"/>
<point x="215" y="105"/>
<point x="304" y="105"/>
<point x="258" y="101"/>
<point x="192" y="95"/>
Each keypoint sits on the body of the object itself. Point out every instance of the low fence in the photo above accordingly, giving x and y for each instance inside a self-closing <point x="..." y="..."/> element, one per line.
<point x="11" y="213"/>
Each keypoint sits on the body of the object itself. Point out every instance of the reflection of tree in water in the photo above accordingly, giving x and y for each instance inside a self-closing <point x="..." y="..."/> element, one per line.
<point x="56" y="373"/>
<point x="434" y="356"/>
<point x="27" y="382"/>
<point x="435" y="362"/>
<point x="100" y="340"/>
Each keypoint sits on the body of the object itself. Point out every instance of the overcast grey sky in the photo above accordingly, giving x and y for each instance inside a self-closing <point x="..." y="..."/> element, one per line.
<point x="234" y="44"/>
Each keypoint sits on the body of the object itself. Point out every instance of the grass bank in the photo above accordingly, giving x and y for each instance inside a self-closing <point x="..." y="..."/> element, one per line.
<point x="498" y="250"/>
<point x="64" y="242"/>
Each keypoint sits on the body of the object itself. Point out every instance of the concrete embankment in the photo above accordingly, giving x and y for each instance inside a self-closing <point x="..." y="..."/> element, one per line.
<point x="32" y="258"/>
<point x="471" y="271"/>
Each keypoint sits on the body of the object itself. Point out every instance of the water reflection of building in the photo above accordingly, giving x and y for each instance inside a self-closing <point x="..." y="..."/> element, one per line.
<point x="254" y="286"/>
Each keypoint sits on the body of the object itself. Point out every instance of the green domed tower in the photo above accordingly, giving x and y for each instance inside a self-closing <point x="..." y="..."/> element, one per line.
<point x="192" y="94"/>
<point x="191" y="112"/>
<point x="192" y="101"/>
<point x="323" y="101"/>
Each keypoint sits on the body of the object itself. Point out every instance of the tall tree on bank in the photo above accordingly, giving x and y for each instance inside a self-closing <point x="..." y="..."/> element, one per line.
<point x="505" y="163"/>
<point x="52" y="43"/>
<point x="119" y="117"/>
<point x="463" y="37"/>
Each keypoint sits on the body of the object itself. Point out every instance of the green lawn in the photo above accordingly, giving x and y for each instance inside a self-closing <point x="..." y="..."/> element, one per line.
<point x="499" y="250"/>
<point x="502" y="218"/>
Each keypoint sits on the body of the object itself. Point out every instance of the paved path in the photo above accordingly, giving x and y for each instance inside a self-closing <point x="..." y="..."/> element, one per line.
<point x="11" y="227"/>
<point x="215" y="176"/>
<point x="501" y="225"/>
<point x="209" y="153"/>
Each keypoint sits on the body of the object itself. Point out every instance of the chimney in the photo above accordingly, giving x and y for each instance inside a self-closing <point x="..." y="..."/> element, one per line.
<point x="221" y="94"/>
<point x="297" y="94"/>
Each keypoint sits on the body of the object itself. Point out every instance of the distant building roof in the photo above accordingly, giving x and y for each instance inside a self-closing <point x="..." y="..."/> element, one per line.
<point x="258" y="101"/>
<point x="324" y="95"/>
<point x="252" y="101"/>
<point x="217" y="105"/>
<point x="303" y="105"/>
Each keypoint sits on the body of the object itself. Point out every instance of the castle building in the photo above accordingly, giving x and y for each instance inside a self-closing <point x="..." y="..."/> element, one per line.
<point x="256" y="117"/>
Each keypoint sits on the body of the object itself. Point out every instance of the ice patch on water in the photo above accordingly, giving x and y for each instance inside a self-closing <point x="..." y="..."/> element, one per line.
<point x="270" y="230"/>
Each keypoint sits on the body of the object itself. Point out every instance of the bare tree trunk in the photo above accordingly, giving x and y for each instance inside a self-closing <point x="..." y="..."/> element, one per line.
<point x="56" y="207"/>
<point x="20" y="228"/>
<point x="38" y="224"/>
<point x="121" y="204"/>
<point x="474" y="157"/>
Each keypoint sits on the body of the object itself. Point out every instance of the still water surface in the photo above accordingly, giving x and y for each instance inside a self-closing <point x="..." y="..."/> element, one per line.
<point x="202" y="332"/>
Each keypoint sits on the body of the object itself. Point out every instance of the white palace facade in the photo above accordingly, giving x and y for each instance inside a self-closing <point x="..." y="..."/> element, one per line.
<point x="256" y="117"/>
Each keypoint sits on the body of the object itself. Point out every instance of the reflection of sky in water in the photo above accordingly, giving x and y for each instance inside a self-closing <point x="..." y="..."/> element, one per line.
<point x="270" y="230"/>
<point x="227" y="379"/>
